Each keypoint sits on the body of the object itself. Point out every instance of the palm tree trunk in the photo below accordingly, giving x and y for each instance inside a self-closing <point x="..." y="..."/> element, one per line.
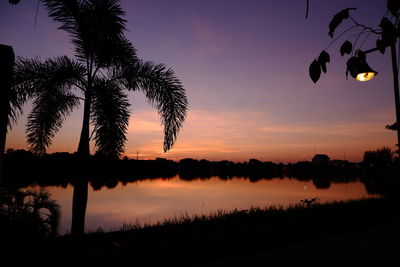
<point x="80" y="195"/>
<point x="6" y="70"/>
<point x="83" y="147"/>
<point x="79" y="203"/>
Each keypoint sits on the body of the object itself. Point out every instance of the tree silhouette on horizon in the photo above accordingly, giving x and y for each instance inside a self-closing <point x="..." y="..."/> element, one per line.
<point x="106" y="66"/>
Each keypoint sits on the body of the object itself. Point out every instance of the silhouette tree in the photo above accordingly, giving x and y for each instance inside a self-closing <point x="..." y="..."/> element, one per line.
<point x="9" y="100"/>
<point x="28" y="213"/>
<point x="106" y="66"/>
<point x="378" y="159"/>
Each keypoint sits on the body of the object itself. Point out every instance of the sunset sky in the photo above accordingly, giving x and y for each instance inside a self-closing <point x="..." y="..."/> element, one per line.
<point x="244" y="65"/>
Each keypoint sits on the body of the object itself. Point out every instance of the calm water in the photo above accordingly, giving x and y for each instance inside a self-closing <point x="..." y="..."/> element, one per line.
<point x="150" y="201"/>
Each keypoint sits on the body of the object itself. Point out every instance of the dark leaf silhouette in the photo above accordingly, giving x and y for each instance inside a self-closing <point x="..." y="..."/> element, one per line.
<point x="93" y="25"/>
<point x="381" y="46"/>
<point x="14" y="2"/>
<point x="337" y="19"/>
<point x="36" y="212"/>
<point x="315" y="71"/>
<point x="165" y="92"/>
<point x="351" y="64"/>
<point x="48" y="83"/>
<point x="392" y="127"/>
<point x="323" y="58"/>
<point x="346" y="48"/>
<point x="110" y="117"/>
<point x="393" y="6"/>
<point x="49" y="111"/>
<point x="388" y="32"/>
<point x="323" y="67"/>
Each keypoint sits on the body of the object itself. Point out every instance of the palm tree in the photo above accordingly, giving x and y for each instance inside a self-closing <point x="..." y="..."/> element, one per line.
<point x="28" y="213"/>
<point x="106" y="66"/>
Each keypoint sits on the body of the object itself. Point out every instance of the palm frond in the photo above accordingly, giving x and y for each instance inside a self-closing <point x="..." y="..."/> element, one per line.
<point x="110" y="117"/>
<point x="65" y="12"/>
<point x="29" y="208"/>
<point x="32" y="76"/>
<point x="115" y="53"/>
<point x="50" y="108"/>
<point x="163" y="90"/>
<point x="69" y="14"/>
<point x="90" y="23"/>
<point x="14" y="2"/>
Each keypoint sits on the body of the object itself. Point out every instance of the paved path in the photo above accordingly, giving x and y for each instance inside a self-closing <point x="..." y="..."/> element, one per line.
<point x="378" y="246"/>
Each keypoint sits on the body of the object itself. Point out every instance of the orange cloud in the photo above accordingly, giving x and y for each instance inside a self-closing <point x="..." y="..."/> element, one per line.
<point x="241" y="135"/>
<point x="237" y="136"/>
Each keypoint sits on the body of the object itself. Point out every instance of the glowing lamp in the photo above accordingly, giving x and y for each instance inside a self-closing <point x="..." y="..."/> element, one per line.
<point x="360" y="70"/>
<point x="366" y="76"/>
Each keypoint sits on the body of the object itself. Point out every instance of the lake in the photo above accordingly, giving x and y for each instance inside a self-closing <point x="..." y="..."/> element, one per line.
<point x="150" y="201"/>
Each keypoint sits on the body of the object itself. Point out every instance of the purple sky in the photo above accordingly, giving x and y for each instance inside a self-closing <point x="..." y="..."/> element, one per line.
<point x="244" y="65"/>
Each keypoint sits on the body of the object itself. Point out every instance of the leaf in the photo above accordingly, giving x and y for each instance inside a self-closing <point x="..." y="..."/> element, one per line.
<point x="352" y="66"/>
<point x="346" y="48"/>
<point x="381" y="47"/>
<point x="14" y="2"/>
<point x="337" y="19"/>
<point x="392" y="127"/>
<point x="315" y="71"/>
<point x="324" y="57"/>
<point x="393" y="6"/>
<point x="323" y="67"/>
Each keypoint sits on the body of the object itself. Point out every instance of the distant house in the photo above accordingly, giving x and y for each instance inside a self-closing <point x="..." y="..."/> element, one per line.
<point x="320" y="159"/>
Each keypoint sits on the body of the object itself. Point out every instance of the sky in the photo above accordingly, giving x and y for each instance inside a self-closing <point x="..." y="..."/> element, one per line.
<point x="244" y="66"/>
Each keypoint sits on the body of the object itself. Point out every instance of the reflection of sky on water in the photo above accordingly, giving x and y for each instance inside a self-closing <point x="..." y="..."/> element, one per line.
<point x="150" y="201"/>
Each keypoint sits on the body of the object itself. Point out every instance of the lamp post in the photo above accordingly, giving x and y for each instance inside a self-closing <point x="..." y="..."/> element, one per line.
<point x="360" y="70"/>
<point x="396" y="89"/>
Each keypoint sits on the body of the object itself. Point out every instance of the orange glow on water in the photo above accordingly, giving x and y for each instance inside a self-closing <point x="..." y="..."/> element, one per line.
<point x="150" y="201"/>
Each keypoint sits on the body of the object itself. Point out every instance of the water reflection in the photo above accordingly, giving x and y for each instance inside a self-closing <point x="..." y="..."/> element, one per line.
<point x="113" y="202"/>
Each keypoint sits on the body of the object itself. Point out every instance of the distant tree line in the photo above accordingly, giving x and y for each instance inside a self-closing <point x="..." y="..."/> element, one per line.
<point x="23" y="168"/>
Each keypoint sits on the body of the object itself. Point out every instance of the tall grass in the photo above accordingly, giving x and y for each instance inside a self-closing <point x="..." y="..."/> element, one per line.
<point x="200" y="238"/>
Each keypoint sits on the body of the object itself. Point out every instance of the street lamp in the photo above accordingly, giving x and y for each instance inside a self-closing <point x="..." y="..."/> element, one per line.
<point x="357" y="65"/>
<point x="359" y="69"/>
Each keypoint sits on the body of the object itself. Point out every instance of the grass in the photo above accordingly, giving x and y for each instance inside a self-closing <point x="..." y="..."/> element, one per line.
<point x="190" y="240"/>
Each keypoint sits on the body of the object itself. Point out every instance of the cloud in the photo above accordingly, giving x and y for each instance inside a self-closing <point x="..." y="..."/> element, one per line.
<point x="240" y="135"/>
<point x="209" y="40"/>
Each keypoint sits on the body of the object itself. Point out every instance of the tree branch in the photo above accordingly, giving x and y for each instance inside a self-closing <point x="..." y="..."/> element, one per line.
<point x="365" y="27"/>
<point x="308" y="7"/>
<point x="340" y="35"/>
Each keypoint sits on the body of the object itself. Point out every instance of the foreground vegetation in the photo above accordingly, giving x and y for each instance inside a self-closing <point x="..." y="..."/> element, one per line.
<point x="188" y="241"/>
